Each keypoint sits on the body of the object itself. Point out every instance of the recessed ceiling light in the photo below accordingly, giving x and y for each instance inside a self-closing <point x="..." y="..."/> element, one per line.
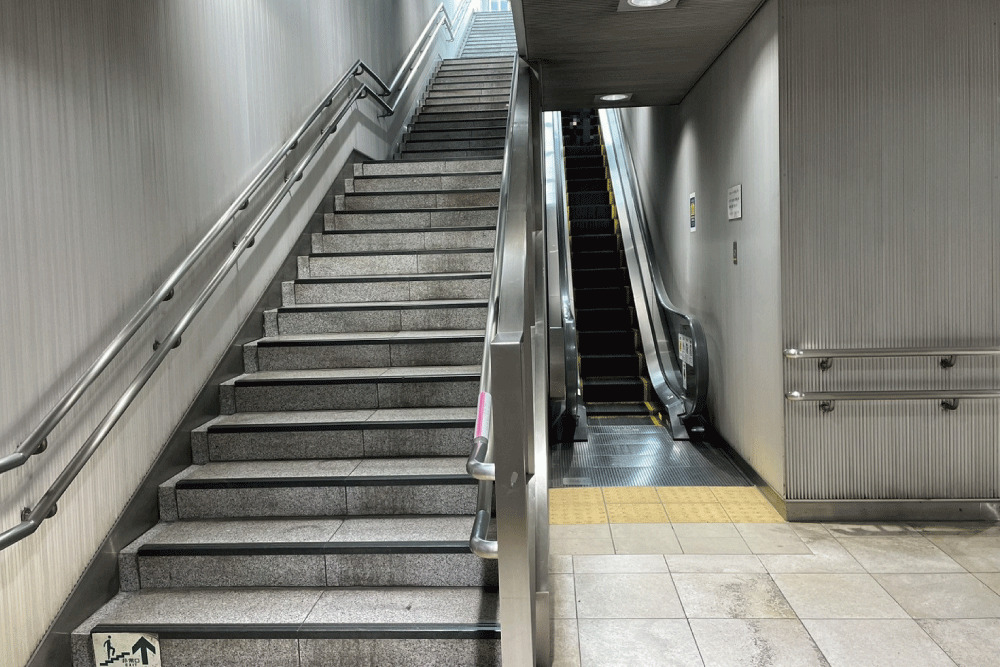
<point x="614" y="97"/>
<point x="639" y="5"/>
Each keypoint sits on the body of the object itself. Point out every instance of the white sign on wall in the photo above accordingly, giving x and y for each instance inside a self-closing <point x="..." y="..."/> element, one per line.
<point x="735" y="200"/>
<point x="693" y="218"/>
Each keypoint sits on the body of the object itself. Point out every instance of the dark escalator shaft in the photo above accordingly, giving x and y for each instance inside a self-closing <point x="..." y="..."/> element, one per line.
<point x="612" y="368"/>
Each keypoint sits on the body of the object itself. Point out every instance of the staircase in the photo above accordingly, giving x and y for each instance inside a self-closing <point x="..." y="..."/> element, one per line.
<point x="327" y="516"/>
<point x="491" y="35"/>
<point x="613" y="372"/>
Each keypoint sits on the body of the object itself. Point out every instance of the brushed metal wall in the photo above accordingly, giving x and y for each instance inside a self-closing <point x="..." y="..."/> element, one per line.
<point x="724" y="133"/>
<point x="126" y="128"/>
<point x="890" y="153"/>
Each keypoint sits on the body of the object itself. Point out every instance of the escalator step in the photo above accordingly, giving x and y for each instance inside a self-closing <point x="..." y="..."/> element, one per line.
<point x="587" y="184"/>
<point x="597" y="259"/>
<point x="591" y="242"/>
<point x="593" y="365"/>
<point x="580" y="173"/>
<point x="589" y="211"/>
<point x="593" y="342"/>
<point x="592" y="197"/>
<point x="584" y="225"/>
<point x="598" y="277"/>
<point x="599" y="409"/>
<point x="579" y="161"/>
<point x="604" y="318"/>
<point x="582" y="150"/>
<point x="614" y="389"/>
<point x="602" y="297"/>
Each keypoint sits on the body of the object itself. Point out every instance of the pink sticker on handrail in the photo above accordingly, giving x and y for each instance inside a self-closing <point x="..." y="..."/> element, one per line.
<point x="484" y="411"/>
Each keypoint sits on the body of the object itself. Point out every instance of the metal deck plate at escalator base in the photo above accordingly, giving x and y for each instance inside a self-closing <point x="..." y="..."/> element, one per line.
<point x="641" y="456"/>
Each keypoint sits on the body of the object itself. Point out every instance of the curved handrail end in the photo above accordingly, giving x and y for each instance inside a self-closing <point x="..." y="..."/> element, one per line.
<point x="482" y="547"/>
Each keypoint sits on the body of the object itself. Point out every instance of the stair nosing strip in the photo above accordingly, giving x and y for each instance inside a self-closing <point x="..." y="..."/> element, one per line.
<point x="412" y="230"/>
<point x="341" y="426"/>
<point x="332" y="481"/>
<point x="362" y="379"/>
<point x="394" y="277"/>
<point x="481" y="630"/>
<point x="418" y="251"/>
<point x="172" y="549"/>
<point x="379" y="306"/>
<point x="448" y="209"/>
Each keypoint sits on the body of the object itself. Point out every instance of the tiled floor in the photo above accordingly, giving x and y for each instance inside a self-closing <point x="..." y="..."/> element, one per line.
<point x="774" y="594"/>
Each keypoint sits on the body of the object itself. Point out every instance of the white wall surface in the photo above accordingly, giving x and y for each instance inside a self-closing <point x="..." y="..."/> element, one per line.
<point x="126" y="128"/>
<point x="724" y="133"/>
<point x="890" y="133"/>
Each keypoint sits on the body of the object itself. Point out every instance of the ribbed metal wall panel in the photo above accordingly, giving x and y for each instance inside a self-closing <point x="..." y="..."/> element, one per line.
<point x="724" y="133"/>
<point x="890" y="153"/>
<point x="126" y="128"/>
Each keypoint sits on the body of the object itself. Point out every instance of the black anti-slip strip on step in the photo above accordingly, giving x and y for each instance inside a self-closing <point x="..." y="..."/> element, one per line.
<point x="300" y="548"/>
<point x="325" y="482"/>
<point x="393" y="277"/>
<point x="308" y="630"/>
<point x="373" y="306"/>
<point x="432" y="174"/>
<point x="361" y="379"/>
<point x="394" y="340"/>
<point x="398" y="193"/>
<point x="409" y="230"/>
<point x="443" y="209"/>
<point x="298" y="427"/>
<point x="420" y="251"/>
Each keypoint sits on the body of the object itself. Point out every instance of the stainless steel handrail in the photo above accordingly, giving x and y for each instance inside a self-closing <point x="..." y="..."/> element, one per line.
<point x="949" y="398"/>
<point x="888" y="352"/>
<point x="660" y="337"/>
<point x="478" y="464"/>
<point x="46" y="507"/>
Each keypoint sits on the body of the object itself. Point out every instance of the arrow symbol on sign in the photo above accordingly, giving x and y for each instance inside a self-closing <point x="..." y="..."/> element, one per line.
<point x="143" y="647"/>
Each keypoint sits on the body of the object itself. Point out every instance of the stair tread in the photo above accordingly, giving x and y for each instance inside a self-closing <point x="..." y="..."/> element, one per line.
<point x="381" y="305"/>
<point x="389" y="530"/>
<point x="294" y="418"/>
<point x="323" y="469"/>
<point x="357" y="374"/>
<point x="372" y="337"/>
<point x="292" y="607"/>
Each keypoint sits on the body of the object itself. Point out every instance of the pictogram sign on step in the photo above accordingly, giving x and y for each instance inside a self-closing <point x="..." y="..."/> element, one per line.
<point x="126" y="649"/>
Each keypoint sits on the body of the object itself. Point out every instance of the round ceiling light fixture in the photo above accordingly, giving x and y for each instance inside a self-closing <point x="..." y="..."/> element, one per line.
<point x="643" y="4"/>
<point x="615" y="97"/>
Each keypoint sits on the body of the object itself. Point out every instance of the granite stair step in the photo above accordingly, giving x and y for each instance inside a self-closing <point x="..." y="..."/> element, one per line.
<point x="398" y="287"/>
<point x="450" y="107"/>
<point x="371" y="552"/>
<point x="453" y="100"/>
<point x="444" y="115"/>
<point x="448" y="61"/>
<point x="383" y="201"/>
<point x="438" y="154"/>
<point x="428" y="182"/>
<point x="446" y="90"/>
<point x="485" y="121"/>
<point x="330" y="434"/>
<point x="307" y="627"/>
<point x="498" y="132"/>
<point x="379" y="263"/>
<point x="324" y="488"/>
<point x="394" y="240"/>
<point x="351" y="389"/>
<point x="364" y="349"/>
<point x="465" y="78"/>
<point x="414" y="167"/>
<point x="411" y="146"/>
<point x="473" y="216"/>
<point x="366" y="316"/>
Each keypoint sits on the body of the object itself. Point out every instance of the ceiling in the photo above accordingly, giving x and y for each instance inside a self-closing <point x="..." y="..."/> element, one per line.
<point x="583" y="48"/>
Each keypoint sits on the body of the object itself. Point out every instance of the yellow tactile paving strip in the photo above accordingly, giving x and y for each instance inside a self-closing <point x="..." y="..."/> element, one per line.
<point x="660" y="504"/>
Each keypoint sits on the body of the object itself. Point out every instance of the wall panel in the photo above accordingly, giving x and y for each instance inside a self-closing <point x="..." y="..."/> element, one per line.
<point x="890" y="230"/>
<point x="126" y="128"/>
<point x="725" y="132"/>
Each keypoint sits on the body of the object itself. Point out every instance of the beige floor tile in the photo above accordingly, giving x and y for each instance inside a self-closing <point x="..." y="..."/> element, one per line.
<point x="714" y="545"/>
<point x="828" y="555"/>
<point x="619" y="563"/>
<point x="731" y="596"/>
<point x="565" y="643"/>
<point x="636" y="513"/>
<point x="560" y="563"/>
<point x="579" y="532"/>
<point x="637" y="643"/>
<point x="837" y="596"/>
<point x="686" y="494"/>
<point x="863" y="643"/>
<point x="772" y="539"/>
<point x="572" y="546"/>
<point x="763" y="642"/>
<point x="619" y="495"/>
<point x="868" y="529"/>
<point x="900" y="554"/>
<point x="975" y="552"/>
<point x="645" y="538"/>
<point x="941" y="595"/>
<point x="696" y="513"/>
<point x="626" y="596"/>
<point x="738" y="564"/>
<point x="991" y="579"/>
<point x="969" y="642"/>
<point x="562" y="589"/>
